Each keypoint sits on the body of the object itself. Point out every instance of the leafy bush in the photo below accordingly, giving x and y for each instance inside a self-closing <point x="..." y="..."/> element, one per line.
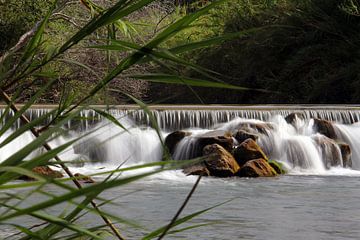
<point x="17" y="17"/>
<point x="301" y="51"/>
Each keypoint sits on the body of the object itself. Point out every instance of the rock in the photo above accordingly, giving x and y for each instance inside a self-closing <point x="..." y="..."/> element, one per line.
<point x="257" y="168"/>
<point x="330" y="151"/>
<point x="277" y="166"/>
<point x="84" y="179"/>
<point x="44" y="171"/>
<point x="293" y="116"/>
<point x="242" y="135"/>
<point x="173" y="139"/>
<point x="92" y="148"/>
<point x="220" y="137"/>
<point x="346" y="154"/>
<point x="219" y="162"/>
<point x="325" y="128"/>
<point x="197" y="169"/>
<point x="262" y="128"/>
<point x="248" y="150"/>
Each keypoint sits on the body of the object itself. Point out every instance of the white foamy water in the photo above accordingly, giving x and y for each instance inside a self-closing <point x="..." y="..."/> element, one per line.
<point x="297" y="145"/>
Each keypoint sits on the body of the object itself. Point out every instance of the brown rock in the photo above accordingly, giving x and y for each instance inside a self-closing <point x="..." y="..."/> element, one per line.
<point x="44" y="171"/>
<point x="197" y="169"/>
<point x="248" y="150"/>
<point x="257" y="168"/>
<point x="84" y="179"/>
<point x="346" y="154"/>
<point x="223" y="138"/>
<point x="330" y="151"/>
<point x="325" y="128"/>
<point x="173" y="139"/>
<point x="262" y="128"/>
<point x="219" y="162"/>
<point x="242" y="135"/>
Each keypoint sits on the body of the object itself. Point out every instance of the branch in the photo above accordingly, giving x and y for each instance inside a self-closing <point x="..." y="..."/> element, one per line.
<point x="21" y="43"/>
<point x="65" y="17"/>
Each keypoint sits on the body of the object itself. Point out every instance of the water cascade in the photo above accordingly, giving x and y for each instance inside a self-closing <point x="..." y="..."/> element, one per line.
<point x="298" y="142"/>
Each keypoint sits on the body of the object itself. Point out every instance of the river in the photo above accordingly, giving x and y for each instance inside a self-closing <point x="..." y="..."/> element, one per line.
<point x="314" y="200"/>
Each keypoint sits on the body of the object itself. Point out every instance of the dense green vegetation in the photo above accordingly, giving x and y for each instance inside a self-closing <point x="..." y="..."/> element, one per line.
<point x="301" y="51"/>
<point x="308" y="51"/>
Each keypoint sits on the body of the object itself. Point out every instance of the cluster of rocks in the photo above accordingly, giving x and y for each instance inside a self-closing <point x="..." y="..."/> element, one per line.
<point x="225" y="154"/>
<point x="329" y="140"/>
<point x="47" y="172"/>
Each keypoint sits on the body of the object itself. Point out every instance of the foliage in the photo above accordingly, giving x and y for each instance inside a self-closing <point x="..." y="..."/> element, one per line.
<point x="16" y="20"/>
<point x="306" y="50"/>
<point x="40" y="64"/>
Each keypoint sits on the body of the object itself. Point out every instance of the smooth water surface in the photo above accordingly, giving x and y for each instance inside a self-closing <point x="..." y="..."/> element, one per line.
<point x="287" y="207"/>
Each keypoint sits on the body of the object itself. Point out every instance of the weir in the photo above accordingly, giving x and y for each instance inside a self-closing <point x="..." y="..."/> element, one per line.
<point x="298" y="144"/>
<point x="179" y="117"/>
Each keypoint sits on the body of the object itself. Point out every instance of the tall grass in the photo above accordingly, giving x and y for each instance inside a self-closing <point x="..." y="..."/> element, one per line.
<point x="27" y="64"/>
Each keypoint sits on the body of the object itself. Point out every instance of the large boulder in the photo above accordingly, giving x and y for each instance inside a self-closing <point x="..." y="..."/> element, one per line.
<point x="220" y="137"/>
<point x="257" y="168"/>
<point x="219" y="162"/>
<point x="346" y="154"/>
<point x="330" y="151"/>
<point x="325" y="128"/>
<point x="44" y="171"/>
<point x="248" y="150"/>
<point x="242" y="135"/>
<point x="173" y="139"/>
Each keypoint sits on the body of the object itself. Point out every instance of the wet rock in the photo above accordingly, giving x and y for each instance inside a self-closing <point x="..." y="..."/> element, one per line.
<point x="92" y="148"/>
<point x="219" y="162"/>
<point x="197" y="169"/>
<point x="257" y="168"/>
<point x="44" y="171"/>
<point x="277" y="166"/>
<point x="346" y="154"/>
<point x="173" y="139"/>
<point x="293" y="116"/>
<point x="248" y="150"/>
<point x="220" y="137"/>
<point x="242" y="135"/>
<point x="83" y="178"/>
<point x="325" y="128"/>
<point x="262" y="128"/>
<point x="330" y="151"/>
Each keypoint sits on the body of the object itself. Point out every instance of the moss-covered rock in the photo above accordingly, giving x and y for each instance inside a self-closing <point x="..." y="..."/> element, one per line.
<point x="277" y="166"/>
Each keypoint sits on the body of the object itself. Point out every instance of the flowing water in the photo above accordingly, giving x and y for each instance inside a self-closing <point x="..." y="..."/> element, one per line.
<point x="317" y="199"/>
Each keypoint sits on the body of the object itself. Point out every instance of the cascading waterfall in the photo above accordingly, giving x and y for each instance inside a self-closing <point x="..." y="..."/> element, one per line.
<point x="296" y="144"/>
